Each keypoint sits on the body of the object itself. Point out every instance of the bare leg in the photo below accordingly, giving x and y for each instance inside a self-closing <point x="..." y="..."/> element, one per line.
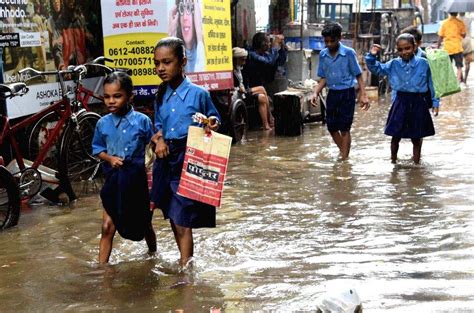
<point x="417" y="150"/>
<point x="394" y="148"/>
<point x="336" y="136"/>
<point x="263" y="110"/>
<point x="467" y="68"/>
<point x="106" y="239"/>
<point x="345" y="144"/>
<point x="459" y="74"/>
<point x="184" y="239"/>
<point x="150" y="238"/>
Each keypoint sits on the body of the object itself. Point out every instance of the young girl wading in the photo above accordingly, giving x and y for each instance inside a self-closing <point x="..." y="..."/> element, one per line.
<point x="177" y="101"/>
<point x="120" y="138"/>
<point x="410" y="77"/>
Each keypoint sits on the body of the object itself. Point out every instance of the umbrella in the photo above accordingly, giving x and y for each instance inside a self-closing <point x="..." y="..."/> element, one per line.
<point x="460" y="6"/>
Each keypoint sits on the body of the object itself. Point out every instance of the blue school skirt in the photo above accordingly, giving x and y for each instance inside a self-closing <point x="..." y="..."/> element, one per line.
<point x="340" y="106"/>
<point x="126" y="199"/>
<point x="409" y="116"/>
<point x="166" y="175"/>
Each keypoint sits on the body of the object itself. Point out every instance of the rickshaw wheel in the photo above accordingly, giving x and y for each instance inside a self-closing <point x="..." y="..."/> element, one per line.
<point x="238" y="121"/>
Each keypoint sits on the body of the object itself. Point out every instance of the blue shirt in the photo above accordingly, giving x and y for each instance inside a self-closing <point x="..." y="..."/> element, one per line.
<point x="260" y="69"/>
<point x="122" y="136"/>
<point x="341" y="70"/>
<point x="174" y="115"/>
<point x="411" y="76"/>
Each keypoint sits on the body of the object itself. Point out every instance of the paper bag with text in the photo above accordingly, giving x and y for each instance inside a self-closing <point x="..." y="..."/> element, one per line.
<point x="205" y="166"/>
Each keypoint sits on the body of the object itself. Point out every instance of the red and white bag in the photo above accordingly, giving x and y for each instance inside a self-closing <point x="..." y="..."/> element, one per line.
<point x="205" y="166"/>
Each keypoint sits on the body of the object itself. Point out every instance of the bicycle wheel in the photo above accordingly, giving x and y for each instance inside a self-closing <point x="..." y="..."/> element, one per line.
<point x="76" y="162"/>
<point x="9" y="200"/>
<point x="38" y="136"/>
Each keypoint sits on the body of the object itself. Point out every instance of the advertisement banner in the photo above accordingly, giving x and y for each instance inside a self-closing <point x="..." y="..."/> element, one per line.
<point x="46" y="35"/>
<point x="133" y="27"/>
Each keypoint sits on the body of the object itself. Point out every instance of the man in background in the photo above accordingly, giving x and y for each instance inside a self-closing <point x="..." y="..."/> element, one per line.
<point x="452" y="32"/>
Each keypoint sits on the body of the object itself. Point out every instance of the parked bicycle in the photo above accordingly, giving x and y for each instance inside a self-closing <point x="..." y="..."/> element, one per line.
<point x="76" y="161"/>
<point x="9" y="191"/>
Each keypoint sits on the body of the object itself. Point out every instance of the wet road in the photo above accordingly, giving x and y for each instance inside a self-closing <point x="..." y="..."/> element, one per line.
<point x="295" y="222"/>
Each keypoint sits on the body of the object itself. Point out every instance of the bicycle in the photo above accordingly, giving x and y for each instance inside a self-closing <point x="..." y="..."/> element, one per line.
<point x="70" y="116"/>
<point x="9" y="191"/>
<point x="74" y="157"/>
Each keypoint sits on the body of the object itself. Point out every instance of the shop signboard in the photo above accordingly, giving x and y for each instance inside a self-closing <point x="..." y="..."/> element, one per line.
<point x="132" y="28"/>
<point x="46" y="35"/>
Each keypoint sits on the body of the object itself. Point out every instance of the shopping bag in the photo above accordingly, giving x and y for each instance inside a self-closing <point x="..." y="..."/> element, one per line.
<point x="444" y="79"/>
<point x="205" y="166"/>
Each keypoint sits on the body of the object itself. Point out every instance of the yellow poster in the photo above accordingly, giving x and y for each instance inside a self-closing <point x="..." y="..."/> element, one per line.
<point x="133" y="27"/>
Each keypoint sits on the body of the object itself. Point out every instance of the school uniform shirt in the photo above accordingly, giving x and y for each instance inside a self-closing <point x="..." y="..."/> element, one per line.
<point x="174" y="115"/>
<point x="452" y="31"/>
<point x="419" y="53"/>
<point x="412" y="76"/>
<point x="341" y="70"/>
<point x="123" y="136"/>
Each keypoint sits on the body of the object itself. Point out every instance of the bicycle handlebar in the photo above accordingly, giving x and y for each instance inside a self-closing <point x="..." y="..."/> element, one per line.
<point x="13" y="90"/>
<point x="101" y="59"/>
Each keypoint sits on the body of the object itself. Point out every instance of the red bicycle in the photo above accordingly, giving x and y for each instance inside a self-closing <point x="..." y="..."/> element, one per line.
<point x="74" y="120"/>
<point x="73" y="154"/>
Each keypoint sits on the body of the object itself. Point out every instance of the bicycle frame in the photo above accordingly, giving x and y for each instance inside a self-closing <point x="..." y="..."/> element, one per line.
<point x="8" y="132"/>
<point x="85" y="94"/>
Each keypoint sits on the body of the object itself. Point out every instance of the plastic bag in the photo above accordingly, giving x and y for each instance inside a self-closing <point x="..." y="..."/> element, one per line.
<point x="444" y="79"/>
<point x="205" y="166"/>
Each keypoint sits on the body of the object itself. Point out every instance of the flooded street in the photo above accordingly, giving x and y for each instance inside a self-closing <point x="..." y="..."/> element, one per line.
<point x="294" y="222"/>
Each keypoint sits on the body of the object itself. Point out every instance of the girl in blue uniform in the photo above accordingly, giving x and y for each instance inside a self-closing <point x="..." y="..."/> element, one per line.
<point x="177" y="101"/>
<point x="410" y="77"/>
<point x="120" y="138"/>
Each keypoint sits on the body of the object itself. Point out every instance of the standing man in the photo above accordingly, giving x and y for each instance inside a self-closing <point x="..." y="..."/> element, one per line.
<point x="452" y="32"/>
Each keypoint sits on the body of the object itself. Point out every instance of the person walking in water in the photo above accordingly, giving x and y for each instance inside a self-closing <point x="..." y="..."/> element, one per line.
<point x="120" y="138"/>
<point x="177" y="101"/>
<point x="339" y="71"/>
<point x="410" y="77"/>
<point x="452" y="32"/>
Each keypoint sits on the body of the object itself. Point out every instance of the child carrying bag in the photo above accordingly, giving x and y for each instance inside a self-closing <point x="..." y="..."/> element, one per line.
<point x="205" y="166"/>
<point x="444" y="80"/>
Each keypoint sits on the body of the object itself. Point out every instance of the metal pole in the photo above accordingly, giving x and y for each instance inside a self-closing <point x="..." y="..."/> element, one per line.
<point x="3" y="104"/>
<point x="301" y="29"/>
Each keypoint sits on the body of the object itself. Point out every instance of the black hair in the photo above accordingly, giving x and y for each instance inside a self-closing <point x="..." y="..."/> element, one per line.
<point x="258" y="39"/>
<point x="414" y="31"/>
<point x="407" y="37"/>
<point x="332" y="29"/>
<point x="123" y="79"/>
<point x="177" y="45"/>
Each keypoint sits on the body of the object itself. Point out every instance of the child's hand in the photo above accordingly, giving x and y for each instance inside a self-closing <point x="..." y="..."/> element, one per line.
<point x="314" y="99"/>
<point x="212" y="125"/>
<point x="435" y="111"/>
<point x="375" y="49"/>
<point x="161" y="148"/>
<point x="115" y="161"/>
<point x="364" y="102"/>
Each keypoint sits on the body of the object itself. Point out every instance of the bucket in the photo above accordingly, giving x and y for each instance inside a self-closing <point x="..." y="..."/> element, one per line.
<point x="372" y="93"/>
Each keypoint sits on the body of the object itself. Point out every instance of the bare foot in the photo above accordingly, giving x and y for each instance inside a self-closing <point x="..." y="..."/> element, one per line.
<point x="272" y="121"/>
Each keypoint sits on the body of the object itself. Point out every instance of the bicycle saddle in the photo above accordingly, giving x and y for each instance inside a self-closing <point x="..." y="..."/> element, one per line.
<point x="12" y="90"/>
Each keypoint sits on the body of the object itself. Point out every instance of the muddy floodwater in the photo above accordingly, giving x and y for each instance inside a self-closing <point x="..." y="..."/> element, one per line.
<point x="295" y="222"/>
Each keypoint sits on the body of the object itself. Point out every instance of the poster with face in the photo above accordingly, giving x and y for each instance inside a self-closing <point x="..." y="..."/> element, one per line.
<point x="133" y="27"/>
